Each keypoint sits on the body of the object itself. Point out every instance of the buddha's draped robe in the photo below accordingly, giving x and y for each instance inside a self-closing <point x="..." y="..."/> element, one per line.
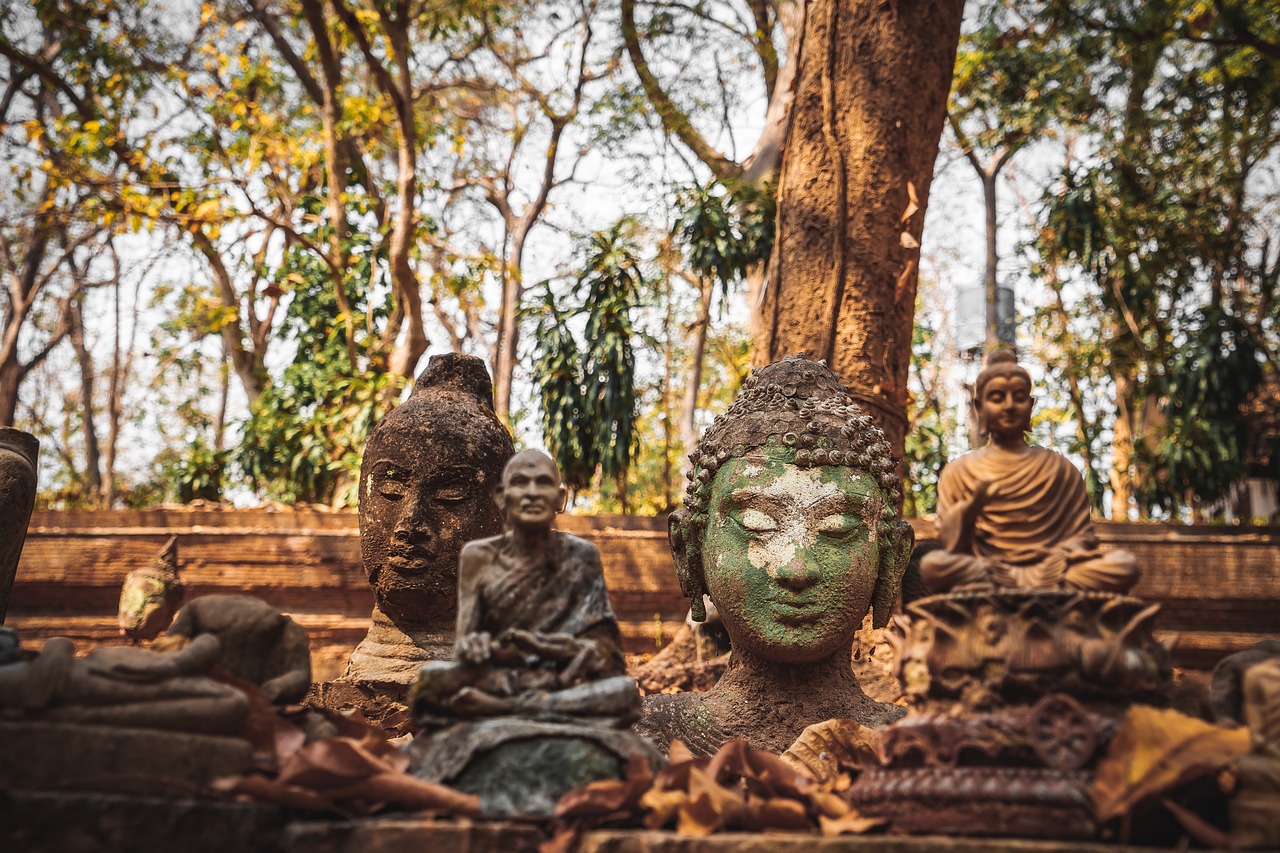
<point x="1034" y="532"/>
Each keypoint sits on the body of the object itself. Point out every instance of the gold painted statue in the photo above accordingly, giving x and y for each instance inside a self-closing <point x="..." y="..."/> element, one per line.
<point x="1017" y="516"/>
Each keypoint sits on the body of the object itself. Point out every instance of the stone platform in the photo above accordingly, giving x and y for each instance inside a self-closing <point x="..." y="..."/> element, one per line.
<point x="43" y="822"/>
<point x="37" y="756"/>
<point x="640" y="841"/>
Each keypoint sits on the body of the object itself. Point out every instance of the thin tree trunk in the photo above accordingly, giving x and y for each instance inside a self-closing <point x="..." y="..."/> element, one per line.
<point x="697" y="347"/>
<point x="10" y="379"/>
<point x="504" y="365"/>
<point x="668" y="370"/>
<point x="92" y="452"/>
<point x="871" y="97"/>
<point x="1122" y="446"/>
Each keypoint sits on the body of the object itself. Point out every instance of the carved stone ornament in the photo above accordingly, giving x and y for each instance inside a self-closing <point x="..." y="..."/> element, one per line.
<point x="1017" y="677"/>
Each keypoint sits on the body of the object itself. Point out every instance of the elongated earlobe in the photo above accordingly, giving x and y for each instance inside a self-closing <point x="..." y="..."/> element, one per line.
<point x="690" y="575"/>
<point x="895" y="553"/>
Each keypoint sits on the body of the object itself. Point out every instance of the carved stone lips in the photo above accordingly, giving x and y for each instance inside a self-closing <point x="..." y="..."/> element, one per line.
<point x="796" y="611"/>
<point x="411" y="561"/>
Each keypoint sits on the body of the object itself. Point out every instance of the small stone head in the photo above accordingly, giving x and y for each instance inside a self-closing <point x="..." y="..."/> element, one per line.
<point x="1002" y="396"/>
<point x="790" y="522"/>
<point x="426" y="480"/>
<point x="530" y="494"/>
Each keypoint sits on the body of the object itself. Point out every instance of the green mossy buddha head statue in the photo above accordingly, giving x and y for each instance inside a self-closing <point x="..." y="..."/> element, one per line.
<point x="791" y="521"/>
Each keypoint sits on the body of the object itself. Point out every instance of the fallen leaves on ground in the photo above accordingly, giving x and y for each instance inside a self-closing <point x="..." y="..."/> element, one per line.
<point x="1155" y="750"/>
<point x="737" y="789"/>
<point x="824" y="749"/>
<point x="353" y="772"/>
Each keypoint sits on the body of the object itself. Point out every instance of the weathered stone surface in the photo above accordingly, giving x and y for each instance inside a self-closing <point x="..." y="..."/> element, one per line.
<point x="383" y="705"/>
<point x="257" y="642"/>
<point x="38" y="756"/>
<point x="425" y="482"/>
<point x="618" y="841"/>
<point x="102" y="823"/>
<point x="410" y="835"/>
<point x="790" y="526"/>
<point x="528" y="777"/>
<point x="18" y="454"/>
<point x="1226" y="693"/>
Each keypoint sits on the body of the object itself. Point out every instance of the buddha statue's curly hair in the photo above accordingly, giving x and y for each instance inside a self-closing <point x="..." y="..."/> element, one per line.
<point x="797" y="403"/>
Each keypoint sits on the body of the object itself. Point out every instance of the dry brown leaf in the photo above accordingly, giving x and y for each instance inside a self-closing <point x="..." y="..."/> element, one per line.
<point x="408" y="792"/>
<point x="563" y="841"/>
<point x="662" y="806"/>
<point x="1155" y="750"/>
<point x="824" y="748"/>
<point x="907" y="241"/>
<point x="764" y="773"/>
<point x="776" y="813"/>
<point x="330" y="763"/>
<point x="830" y="805"/>
<point x="851" y="824"/>
<point x="710" y="806"/>
<point x="262" y="789"/>
<point x="608" y="795"/>
<point x="678" y="753"/>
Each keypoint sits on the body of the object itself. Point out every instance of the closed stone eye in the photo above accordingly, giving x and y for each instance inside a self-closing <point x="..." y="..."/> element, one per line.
<point x="837" y="525"/>
<point x="758" y="522"/>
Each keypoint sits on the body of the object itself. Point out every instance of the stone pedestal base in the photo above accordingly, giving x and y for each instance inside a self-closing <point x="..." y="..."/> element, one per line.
<point x="383" y="704"/>
<point x="521" y="768"/>
<point x="67" y="757"/>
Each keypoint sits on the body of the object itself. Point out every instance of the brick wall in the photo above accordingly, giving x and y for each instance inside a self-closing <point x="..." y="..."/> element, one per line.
<point x="1220" y="586"/>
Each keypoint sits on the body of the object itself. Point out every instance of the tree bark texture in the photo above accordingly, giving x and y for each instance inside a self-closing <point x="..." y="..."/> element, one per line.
<point x="870" y="102"/>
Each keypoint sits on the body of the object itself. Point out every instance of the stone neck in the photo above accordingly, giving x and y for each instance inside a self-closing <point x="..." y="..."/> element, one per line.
<point x="530" y="540"/>
<point x="806" y="687"/>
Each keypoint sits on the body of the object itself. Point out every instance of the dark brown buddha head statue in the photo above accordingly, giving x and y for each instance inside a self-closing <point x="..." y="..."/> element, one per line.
<point x="426" y="489"/>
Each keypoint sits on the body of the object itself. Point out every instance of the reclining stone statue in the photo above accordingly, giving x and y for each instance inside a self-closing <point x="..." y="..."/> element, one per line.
<point x="791" y="526"/>
<point x="1016" y="516"/>
<point x="119" y="686"/>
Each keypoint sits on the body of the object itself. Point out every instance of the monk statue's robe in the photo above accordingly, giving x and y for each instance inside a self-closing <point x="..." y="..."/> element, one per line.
<point x="1033" y="531"/>
<point x="530" y="607"/>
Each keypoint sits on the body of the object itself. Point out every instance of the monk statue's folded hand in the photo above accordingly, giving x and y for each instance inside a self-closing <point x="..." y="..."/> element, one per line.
<point x="589" y="660"/>
<point x="555" y="647"/>
<point x="475" y="648"/>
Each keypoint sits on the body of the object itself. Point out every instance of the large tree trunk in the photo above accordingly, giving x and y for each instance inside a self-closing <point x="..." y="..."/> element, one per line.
<point x="871" y="98"/>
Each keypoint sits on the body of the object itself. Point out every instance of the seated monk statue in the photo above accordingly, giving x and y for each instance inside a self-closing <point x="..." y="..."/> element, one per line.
<point x="536" y="635"/>
<point x="119" y="686"/>
<point x="1014" y="516"/>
